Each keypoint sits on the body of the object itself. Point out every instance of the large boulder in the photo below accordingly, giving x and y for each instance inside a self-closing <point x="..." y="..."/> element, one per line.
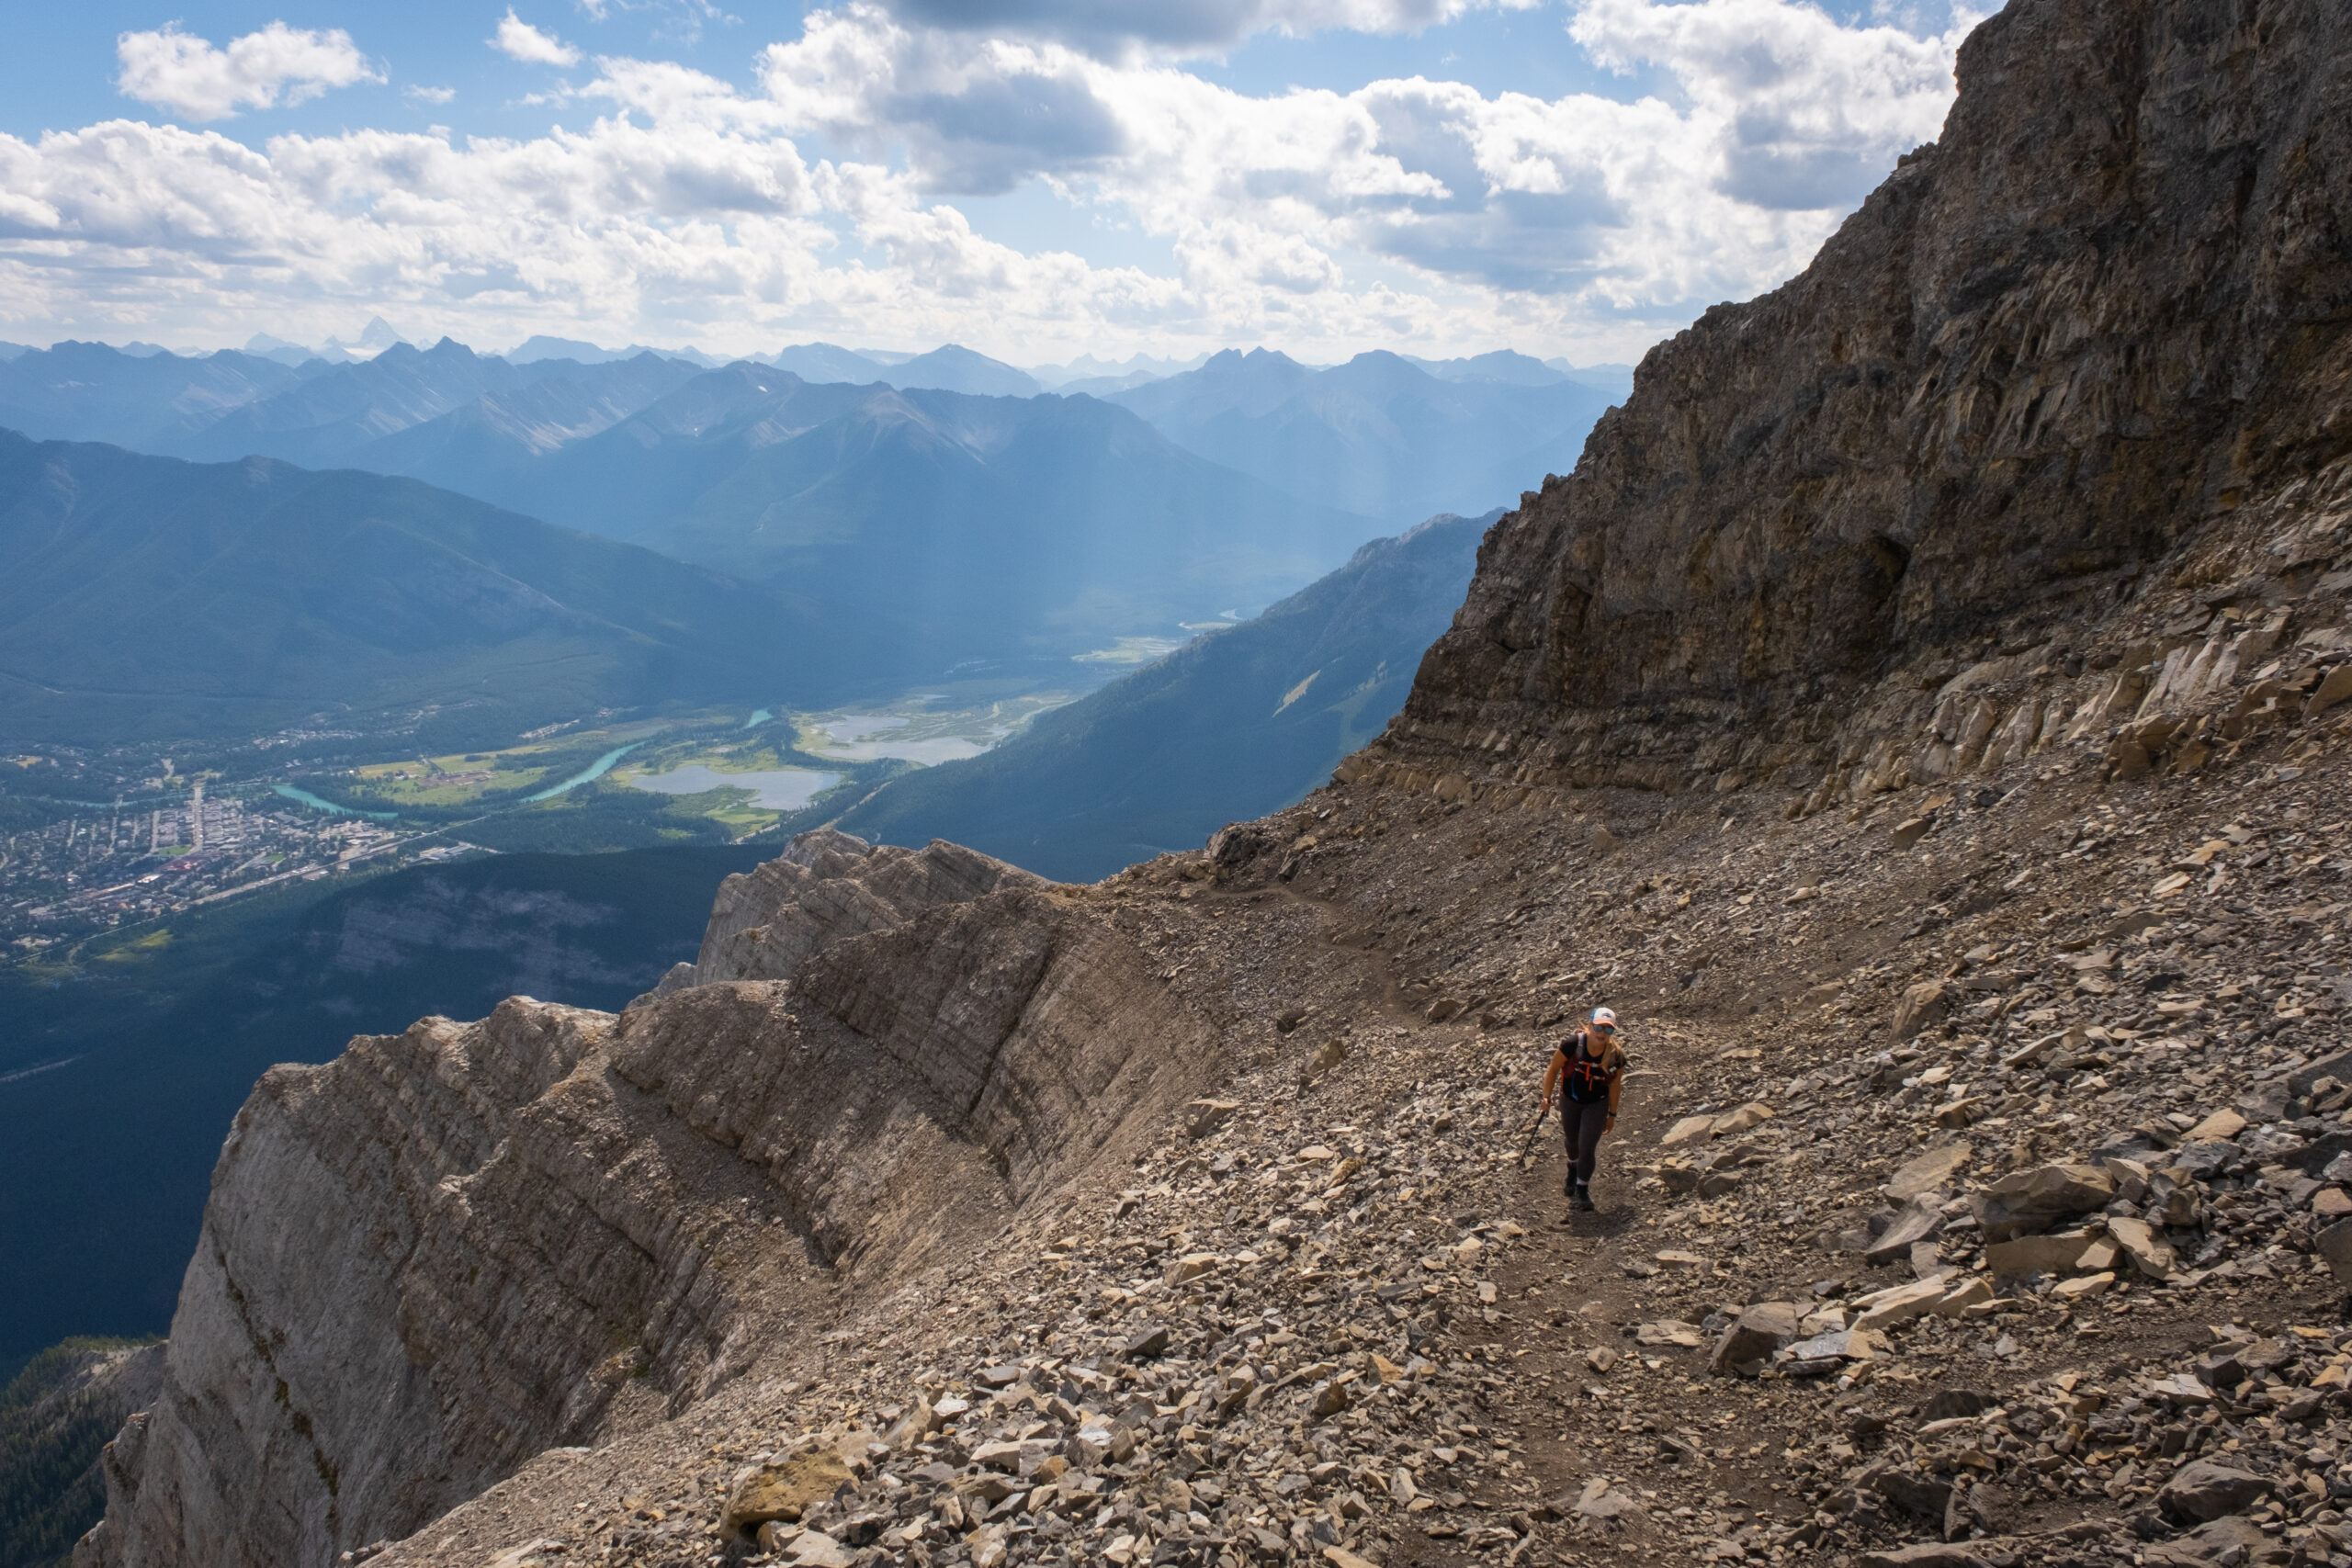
<point x="2025" y="1202"/>
<point x="2208" y="1490"/>
<point x="1923" y="1005"/>
<point x="2059" y="1252"/>
<point x="782" y="1489"/>
<point x="2335" y="1246"/>
<point x="1755" y="1334"/>
<point x="2223" y="1542"/>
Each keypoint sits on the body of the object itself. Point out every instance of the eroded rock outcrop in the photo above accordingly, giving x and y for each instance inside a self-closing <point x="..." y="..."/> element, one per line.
<point x="768" y="921"/>
<point x="2102" y="316"/>
<point x="453" y="1248"/>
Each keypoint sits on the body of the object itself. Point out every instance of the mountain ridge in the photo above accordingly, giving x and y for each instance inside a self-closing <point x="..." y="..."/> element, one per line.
<point x="1989" y="533"/>
<point x="1237" y="724"/>
<point x="1379" y="433"/>
<point x="279" y="591"/>
<point x="989" y="509"/>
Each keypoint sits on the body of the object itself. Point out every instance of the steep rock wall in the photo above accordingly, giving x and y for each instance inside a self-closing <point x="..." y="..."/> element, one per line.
<point x="767" y="921"/>
<point x="454" y="1248"/>
<point x="2107" y="308"/>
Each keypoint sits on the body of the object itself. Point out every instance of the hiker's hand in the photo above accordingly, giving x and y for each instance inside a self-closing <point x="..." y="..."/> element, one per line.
<point x="1609" y="1123"/>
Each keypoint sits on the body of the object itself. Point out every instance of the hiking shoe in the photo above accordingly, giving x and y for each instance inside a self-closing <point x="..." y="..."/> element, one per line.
<point x="1584" y="1199"/>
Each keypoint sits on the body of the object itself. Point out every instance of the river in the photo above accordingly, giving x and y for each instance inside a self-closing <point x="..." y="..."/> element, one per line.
<point x="593" y="772"/>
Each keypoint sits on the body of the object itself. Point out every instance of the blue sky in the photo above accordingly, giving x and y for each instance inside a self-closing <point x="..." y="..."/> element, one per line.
<point x="1040" y="178"/>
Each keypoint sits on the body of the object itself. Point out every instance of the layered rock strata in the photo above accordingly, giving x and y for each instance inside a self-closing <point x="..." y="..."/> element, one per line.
<point x="2105" y="315"/>
<point x="769" y="920"/>
<point x="452" y="1248"/>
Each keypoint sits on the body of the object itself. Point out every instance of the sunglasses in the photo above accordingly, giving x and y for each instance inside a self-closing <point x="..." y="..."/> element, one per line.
<point x="1605" y="1027"/>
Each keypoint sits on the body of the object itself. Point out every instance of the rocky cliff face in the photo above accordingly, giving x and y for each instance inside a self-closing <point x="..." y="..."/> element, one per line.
<point x="2018" y="530"/>
<point x="826" y="884"/>
<point x="2103" y="316"/>
<point x="453" y="1248"/>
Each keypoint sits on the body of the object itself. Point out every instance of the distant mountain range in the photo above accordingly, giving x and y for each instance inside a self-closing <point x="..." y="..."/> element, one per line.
<point x="1379" y="435"/>
<point x="994" y="527"/>
<point x="1235" y="724"/>
<point x="1383" y="435"/>
<point x="145" y="597"/>
<point x="938" y="512"/>
<point x="152" y="403"/>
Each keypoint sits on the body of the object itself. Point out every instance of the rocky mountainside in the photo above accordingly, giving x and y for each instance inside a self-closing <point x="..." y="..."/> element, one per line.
<point x="145" y="597"/>
<point x="1922" y="715"/>
<point x="1239" y="722"/>
<point x="2099" y="322"/>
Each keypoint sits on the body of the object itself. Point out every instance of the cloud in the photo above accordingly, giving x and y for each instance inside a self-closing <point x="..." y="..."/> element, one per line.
<point x="1113" y="27"/>
<point x="1784" y="120"/>
<point x="517" y="39"/>
<point x="1809" y="113"/>
<point x="1406" y="211"/>
<point x="429" y="95"/>
<point x="976" y="118"/>
<point x="278" y="65"/>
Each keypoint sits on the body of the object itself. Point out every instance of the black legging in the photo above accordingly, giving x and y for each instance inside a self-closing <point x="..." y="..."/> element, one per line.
<point x="1581" y="1125"/>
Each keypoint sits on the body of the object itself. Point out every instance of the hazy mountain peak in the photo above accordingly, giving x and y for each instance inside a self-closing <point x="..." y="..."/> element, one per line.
<point x="540" y="347"/>
<point x="952" y="367"/>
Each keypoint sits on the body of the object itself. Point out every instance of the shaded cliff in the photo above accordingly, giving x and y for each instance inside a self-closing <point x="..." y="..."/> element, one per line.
<point x="2107" y="311"/>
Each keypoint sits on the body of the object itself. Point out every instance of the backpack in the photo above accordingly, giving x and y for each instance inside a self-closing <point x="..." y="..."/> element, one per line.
<point x="1586" y="1081"/>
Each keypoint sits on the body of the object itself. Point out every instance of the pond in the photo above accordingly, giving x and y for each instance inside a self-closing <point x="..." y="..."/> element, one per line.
<point x="775" y="789"/>
<point x="866" y="738"/>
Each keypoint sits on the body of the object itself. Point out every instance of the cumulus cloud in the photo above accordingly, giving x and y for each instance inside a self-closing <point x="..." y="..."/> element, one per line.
<point x="429" y="95"/>
<point x="517" y="39"/>
<point x="1115" y="27"/>
<point x="977" y="116"/>
<point x="1785" y="118"/>
<point x="1809" y="113"/>
<point x="1409" y="210"/>
<point x="279" y="64"/>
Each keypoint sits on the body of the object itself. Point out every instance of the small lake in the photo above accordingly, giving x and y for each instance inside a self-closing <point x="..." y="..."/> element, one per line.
<point x="758" y="718"/>
<point x="776" y="789"/>
<point x="594" y="770"/>
<point x="305" y="797"/>
<point x="865" y="738"/>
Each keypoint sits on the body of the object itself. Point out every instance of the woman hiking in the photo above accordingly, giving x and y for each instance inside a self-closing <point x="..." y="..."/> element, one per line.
<point x="1589" y="1070"/>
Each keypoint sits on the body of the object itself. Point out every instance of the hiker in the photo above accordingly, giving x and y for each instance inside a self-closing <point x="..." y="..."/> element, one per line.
<point x="1588" y="1069"/>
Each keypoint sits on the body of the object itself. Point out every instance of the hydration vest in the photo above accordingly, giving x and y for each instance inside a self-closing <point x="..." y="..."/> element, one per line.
<point x="1588" y="1076"/>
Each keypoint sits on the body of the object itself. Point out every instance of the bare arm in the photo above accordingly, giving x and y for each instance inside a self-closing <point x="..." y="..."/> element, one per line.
<point x="1552" y="1078"/>
<point x="1616" y="1086"/>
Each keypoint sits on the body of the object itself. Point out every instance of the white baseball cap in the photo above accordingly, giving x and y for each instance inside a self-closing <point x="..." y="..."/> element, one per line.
<point x="1602" y="1015"/>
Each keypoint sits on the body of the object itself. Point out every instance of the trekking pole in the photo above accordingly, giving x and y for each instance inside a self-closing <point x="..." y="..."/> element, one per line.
<point x="1526" y="1143"/>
